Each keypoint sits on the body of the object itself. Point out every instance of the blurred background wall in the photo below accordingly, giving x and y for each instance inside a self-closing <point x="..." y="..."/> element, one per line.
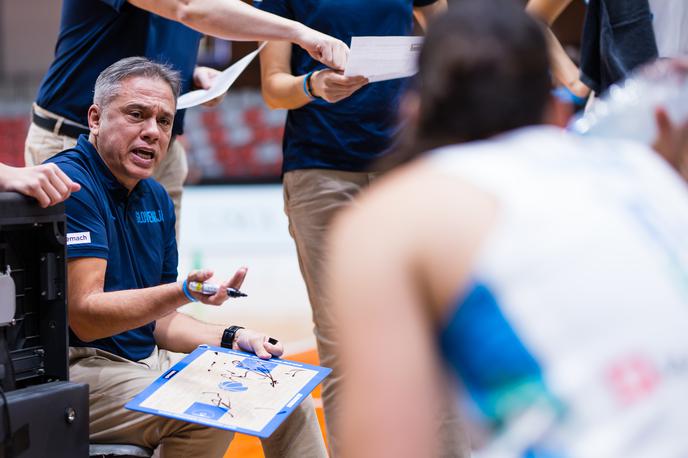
<point x="27" y="37"/>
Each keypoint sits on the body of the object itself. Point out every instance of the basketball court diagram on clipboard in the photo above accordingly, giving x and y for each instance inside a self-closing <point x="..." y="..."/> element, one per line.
<point x="231" y="390"/>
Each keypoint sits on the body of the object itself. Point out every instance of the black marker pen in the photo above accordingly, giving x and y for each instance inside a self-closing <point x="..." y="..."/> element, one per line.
<point x="209" y="290"/>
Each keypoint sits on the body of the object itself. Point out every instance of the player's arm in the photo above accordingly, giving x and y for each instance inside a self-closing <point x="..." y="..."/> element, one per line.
<point x="235" y="20"/>
<point x="391" y="284"/>
<point x="388" y="355"/>
<point x="563" y="68"/>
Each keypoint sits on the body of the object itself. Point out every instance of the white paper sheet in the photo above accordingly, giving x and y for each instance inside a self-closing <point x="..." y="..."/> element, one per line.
<point x="221" y="84"/>
<point x="383" y="58"/>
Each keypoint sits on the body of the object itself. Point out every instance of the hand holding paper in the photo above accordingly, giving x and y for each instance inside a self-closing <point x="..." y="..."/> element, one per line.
<point x="203" y="78"/>
<point x="333" y="86"/>
<point x="323" y="48"/>
<point x="371" y="59"/>
<point x="221" y="83"/>
<point x="383" y="58"/>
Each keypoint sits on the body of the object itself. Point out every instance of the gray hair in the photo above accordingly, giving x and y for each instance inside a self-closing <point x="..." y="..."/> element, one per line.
<point x="110" y="79"/>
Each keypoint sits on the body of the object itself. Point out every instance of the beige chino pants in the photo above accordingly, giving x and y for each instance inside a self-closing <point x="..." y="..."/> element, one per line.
<point x="312" y="197"/>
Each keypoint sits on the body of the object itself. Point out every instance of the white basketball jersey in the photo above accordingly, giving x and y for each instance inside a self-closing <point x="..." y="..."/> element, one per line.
<point x="574" y="339"/>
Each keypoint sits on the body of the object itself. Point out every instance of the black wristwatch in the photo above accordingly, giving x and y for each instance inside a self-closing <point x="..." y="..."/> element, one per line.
<point x="228" y="336"/>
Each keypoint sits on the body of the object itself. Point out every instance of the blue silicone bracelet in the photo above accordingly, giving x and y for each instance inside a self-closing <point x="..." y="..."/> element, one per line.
<point x="187" y="293"/>
<point x="305" y="86"/>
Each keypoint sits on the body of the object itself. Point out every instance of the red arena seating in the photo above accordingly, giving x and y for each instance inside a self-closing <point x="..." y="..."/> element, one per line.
<point x="241" y="140"/>
<point x="13" y="130"/>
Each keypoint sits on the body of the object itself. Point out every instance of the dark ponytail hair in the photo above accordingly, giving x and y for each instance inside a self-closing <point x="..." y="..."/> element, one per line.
<point x="483" y="70"/>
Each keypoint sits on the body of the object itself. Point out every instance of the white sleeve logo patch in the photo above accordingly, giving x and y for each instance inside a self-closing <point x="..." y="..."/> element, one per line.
<point x="77" y="238"/>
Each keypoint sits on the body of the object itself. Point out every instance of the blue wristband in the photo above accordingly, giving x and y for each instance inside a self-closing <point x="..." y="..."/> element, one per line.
<point x="565" y="95"/>
<point x="187" y="293"/>
<point x="305" y="86"/>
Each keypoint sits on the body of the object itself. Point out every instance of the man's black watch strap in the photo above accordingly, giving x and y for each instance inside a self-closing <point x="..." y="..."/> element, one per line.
<point x="229" y="335"/>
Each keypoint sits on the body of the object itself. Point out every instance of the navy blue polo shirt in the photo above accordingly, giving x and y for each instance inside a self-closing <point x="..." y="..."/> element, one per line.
<point x="97" y="33"/>
<point x="133" y="231"/>
<point x="348" y="135"/>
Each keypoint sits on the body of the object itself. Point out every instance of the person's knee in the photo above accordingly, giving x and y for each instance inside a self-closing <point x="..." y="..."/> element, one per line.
<point x="179" y="438"/>
<point x="298" y="436"/>
<point x="302" y="420"/>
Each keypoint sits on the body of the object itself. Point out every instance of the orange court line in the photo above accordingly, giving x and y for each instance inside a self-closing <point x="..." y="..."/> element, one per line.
<point x="244" y="446"/>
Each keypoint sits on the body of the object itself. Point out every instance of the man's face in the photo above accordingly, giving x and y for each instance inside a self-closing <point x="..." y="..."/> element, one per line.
<point x="132" y="132"/>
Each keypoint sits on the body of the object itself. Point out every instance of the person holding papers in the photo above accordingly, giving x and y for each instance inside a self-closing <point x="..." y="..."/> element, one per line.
<point x="336" y="128"/>
<point x="619" y="36"/>
<point x="96" y="33"/>
<point x="125" y="330"/>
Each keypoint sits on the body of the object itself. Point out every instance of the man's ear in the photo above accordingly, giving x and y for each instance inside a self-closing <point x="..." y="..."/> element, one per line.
<point x="94" y="116"/>
<point x="558" y="112"/>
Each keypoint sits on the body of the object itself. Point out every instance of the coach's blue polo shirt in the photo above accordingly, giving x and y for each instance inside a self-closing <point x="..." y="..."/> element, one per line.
<point x="97" y="33"/>
<point x="133" y="231"/>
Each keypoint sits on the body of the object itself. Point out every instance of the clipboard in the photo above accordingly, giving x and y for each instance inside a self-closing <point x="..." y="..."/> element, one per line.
<point x="230" y="390"/>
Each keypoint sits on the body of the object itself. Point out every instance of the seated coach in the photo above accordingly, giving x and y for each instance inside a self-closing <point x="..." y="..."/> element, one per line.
<point x="125" y="330"/>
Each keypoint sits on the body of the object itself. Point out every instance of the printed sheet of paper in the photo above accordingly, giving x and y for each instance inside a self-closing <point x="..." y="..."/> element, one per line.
<point x="231" y="390"/>
<point x="221" y="84"/>
<point x="383" y="58"/>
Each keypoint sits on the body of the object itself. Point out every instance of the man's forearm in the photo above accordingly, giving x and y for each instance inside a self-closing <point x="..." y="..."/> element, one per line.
<point x="104" y="314"/>
<point x="181" y="333"/>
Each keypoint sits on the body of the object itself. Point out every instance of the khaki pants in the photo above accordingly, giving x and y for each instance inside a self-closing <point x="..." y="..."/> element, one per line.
<point x="312" y="197"/>
<point x="42" y="144"/>
<point x="113" y="381"/>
